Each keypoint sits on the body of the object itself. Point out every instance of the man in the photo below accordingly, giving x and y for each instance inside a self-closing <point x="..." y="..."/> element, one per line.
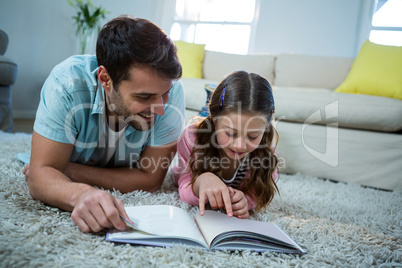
<point x="110" y="121"/>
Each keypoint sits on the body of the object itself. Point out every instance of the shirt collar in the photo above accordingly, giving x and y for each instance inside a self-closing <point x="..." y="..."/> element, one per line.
<point x="99" y="105"/>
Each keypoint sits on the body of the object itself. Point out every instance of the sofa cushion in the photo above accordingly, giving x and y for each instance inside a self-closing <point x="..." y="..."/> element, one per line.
<point x="377" y="70"/>
<point x="194" y="92"/>
<point x="293" y="70"/>
<point x="191" y="56"/>
<point x="348" y="110"/>
<point x="217" y="65"/>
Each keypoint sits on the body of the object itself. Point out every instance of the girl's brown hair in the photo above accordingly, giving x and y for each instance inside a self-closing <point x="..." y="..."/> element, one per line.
<point x="244" y="93"/>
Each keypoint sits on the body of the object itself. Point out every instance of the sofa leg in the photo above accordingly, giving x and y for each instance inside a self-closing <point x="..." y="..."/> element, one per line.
<point x="6" y="121"/>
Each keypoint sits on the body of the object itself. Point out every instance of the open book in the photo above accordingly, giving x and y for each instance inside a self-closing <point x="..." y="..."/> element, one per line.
<point x="162" y="225"/>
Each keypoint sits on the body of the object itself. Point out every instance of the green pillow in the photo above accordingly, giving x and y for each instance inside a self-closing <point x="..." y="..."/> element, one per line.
<point x="191" y="57"/>
<point x="377" y="70"/>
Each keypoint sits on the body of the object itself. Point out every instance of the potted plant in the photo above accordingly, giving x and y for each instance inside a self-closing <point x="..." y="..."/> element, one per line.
<point x="87" y="20"/>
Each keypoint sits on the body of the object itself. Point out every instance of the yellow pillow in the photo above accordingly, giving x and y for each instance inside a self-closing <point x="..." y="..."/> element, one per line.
<point x="377" y="70"/>
<point x="191" y="57"/>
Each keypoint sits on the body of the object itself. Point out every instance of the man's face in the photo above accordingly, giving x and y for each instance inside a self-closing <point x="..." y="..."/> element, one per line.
<point x="139" y="99"/>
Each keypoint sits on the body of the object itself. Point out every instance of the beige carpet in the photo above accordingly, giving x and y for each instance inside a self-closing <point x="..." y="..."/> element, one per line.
<point x="340" y="225"/>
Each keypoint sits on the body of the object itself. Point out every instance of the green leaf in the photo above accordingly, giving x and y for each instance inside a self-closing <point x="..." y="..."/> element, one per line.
<point x="87" y="17"/>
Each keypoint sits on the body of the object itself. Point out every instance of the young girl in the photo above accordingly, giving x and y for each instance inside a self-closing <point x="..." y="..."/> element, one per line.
<point x="228" y="158"/>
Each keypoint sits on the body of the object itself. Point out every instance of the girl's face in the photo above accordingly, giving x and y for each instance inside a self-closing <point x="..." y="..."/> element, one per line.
<point x="239" y="134"/>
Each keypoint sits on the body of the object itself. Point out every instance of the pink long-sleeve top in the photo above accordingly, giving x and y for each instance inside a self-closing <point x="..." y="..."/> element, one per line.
<point x="182" y="175"/>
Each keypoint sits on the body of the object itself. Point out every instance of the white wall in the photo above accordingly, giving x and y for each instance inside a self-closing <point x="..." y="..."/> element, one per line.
<point x="42" y="33"/>
<point x="314" y="27"/>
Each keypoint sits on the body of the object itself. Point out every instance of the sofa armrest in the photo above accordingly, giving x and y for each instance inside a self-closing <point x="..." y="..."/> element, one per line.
<point x="8" y="71"/>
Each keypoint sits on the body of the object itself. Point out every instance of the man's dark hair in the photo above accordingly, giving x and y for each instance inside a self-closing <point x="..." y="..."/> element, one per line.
<point x="125" y="42"/>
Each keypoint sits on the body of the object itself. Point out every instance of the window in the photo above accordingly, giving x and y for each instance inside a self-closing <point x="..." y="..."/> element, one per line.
<point x="223" y="25"/>
<point x="386" y="24"/>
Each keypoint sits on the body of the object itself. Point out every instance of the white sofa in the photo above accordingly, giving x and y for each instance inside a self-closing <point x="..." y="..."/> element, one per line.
<point x="323" y="133"/>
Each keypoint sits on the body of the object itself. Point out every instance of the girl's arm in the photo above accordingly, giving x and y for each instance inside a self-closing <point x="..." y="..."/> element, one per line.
<point x="208" y="187"/>
<point x="180" y="172"/>
<point x="186" y="191"/>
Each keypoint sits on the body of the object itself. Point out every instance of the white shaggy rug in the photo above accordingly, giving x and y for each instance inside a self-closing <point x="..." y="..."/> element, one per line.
<point x="340" y="225"/>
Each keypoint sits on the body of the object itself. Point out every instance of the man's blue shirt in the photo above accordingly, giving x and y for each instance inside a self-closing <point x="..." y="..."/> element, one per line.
<point x="72" y="110"/>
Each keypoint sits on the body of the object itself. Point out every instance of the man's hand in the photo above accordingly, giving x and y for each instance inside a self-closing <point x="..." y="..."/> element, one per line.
<point x="239" y="203"/>
<point x="96" y="210"/>
<point x="208" y="187"/>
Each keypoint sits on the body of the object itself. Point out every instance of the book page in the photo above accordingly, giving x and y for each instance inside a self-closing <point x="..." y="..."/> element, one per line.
<point x="162" y="221"/>
<point x="214" y="223"/>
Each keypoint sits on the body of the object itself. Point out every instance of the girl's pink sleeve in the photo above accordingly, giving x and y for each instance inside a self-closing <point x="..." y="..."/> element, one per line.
<point x="275" y="174"/>
<point x="180" y="172"/>
<point x="251" y="200"/>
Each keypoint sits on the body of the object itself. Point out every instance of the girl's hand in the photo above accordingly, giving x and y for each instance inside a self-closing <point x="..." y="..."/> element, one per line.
<point x="239" y="203"/>
<point x="209" y="187"/>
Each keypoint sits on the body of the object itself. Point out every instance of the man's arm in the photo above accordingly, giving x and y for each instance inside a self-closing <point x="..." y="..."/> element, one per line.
<point x="153" y="165"/>
<point x="93" y="210"/>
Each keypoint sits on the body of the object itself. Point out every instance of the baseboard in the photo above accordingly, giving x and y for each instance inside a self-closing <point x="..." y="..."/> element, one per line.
<point x="24" y="114"/>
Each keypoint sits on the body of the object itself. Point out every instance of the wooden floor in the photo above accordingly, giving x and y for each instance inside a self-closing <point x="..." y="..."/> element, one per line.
<point x="23" y="125"/>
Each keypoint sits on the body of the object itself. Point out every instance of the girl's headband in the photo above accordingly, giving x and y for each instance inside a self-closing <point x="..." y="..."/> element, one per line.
<point x="221" y="99"/>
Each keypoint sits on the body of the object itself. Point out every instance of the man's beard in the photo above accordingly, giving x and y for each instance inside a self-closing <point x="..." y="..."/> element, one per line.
<point x="119" y="109"/>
